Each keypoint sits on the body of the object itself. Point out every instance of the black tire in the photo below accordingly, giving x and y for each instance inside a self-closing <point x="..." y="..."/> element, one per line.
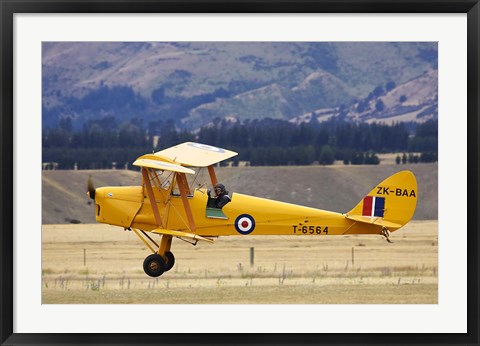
<point x="154" y="265"/>
<point x="170" y="261"/>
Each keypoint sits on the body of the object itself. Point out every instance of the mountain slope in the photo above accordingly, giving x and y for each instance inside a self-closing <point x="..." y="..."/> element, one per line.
<point x="416" y="101"/>
<point x="194" y="83"/>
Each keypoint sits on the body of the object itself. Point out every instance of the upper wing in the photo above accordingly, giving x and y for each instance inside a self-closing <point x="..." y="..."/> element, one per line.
<point x="150" y="161"/>
<point x="195" y="154"/>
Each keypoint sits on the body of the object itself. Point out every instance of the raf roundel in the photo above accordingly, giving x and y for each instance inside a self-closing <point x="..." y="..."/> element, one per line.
<point x="245" y="224"/>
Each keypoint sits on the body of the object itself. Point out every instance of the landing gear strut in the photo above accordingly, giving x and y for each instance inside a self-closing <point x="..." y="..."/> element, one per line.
<point x="162" y="259"/>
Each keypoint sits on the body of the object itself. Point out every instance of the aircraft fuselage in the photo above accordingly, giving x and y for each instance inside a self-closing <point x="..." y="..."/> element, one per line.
<point x="244" y="215"/>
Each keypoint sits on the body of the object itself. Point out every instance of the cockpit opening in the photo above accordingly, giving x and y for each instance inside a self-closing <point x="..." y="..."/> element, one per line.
<point x="165" y="181"/>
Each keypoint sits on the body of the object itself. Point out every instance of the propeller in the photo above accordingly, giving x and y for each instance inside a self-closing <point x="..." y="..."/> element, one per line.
<point x="91" y="188"/>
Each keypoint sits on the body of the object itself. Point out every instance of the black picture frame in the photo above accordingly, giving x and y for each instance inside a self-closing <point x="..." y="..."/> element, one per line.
<point x="10" y="7"/>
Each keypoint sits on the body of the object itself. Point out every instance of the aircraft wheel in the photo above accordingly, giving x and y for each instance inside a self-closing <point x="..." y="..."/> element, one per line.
<point x="170" y="261"/>
<point x="154" y="265"/>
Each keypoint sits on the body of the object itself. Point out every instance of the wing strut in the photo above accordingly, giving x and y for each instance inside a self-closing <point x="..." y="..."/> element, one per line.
<point x="184" y="190"/>
<point x="151" y="197"/>
<point x="213" y="177"/>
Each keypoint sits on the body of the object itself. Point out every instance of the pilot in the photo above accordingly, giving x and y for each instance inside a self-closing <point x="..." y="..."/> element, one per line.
<point x="222" y="196"/>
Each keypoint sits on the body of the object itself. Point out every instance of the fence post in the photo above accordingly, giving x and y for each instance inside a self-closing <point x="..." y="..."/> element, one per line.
<point x="252" y="255"/>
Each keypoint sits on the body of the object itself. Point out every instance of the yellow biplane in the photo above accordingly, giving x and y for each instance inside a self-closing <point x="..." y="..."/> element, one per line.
<point x="168" y="205"/>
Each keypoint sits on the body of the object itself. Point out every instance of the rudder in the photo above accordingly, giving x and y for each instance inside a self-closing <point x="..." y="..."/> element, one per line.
<point x="391" y="203"/>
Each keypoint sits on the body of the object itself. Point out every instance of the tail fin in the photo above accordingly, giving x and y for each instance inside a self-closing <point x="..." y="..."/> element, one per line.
<point x="391" y="203"/>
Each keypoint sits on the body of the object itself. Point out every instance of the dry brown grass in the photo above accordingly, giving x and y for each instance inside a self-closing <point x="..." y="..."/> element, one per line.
<point x="287" y="269"/>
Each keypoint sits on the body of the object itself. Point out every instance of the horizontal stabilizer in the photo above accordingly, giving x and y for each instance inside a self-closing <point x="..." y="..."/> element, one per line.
<point x="181" y="234"/>
<point x="374" y="221"/>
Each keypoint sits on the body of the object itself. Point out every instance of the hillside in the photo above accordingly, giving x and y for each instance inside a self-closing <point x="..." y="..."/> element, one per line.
<point x="413" y="101"/>
<point x="195" y="83"/>
<point x="336" y="188"/>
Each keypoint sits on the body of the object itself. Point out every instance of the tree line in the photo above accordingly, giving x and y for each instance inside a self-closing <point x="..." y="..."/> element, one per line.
<point x="258" y="142"/>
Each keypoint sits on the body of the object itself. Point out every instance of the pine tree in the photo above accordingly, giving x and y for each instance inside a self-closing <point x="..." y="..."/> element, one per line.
<point x="398" y="159"/>
<point x="327" y="156"/>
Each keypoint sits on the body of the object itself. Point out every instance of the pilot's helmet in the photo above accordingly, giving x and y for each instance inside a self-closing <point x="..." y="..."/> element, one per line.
<point x="221" y="187"/>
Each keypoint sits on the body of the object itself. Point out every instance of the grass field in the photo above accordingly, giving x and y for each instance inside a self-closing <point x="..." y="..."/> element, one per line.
<point x="99" y="264"/>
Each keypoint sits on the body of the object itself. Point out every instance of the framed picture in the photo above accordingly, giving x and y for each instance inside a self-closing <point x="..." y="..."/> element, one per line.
<point x="452" y="27"/>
